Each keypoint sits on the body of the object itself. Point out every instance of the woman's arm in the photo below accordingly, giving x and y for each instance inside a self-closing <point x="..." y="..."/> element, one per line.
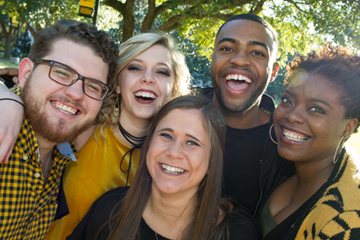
<point x="11" y="118"/>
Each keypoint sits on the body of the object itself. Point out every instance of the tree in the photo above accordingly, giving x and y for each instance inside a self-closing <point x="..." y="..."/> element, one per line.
<point x="299" y="21"/>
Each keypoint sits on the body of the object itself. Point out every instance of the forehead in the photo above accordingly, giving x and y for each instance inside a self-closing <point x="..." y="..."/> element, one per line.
<point x="156" y="54"/>
<point x="311" y="86"/>
<point x="79" y="57"/>
<point x="188" y="121"/>
<point x="245" y="31"/>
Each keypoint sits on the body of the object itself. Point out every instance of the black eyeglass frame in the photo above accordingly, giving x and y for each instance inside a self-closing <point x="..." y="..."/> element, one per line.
<point x="81" y="77"/>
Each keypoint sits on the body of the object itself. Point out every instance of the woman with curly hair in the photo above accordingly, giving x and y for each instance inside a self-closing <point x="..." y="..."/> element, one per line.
<point x="318" y="112"/>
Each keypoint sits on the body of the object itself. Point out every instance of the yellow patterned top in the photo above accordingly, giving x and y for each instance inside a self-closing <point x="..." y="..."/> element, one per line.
<point x="27" y="203"/>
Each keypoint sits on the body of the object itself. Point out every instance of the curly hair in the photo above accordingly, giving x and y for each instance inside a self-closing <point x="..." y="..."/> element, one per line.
<point x="341" y="67"/>
<point x="83" y="34"/>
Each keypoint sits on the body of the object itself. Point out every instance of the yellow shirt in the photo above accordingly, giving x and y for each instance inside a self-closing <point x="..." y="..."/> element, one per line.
<point x="96" y="172"/>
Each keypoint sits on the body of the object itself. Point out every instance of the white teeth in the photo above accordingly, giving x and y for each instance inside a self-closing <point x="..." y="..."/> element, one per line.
<point x="145" y="95"/>
<point x="64" y="109"/>
<point x="294" y="137"/>
<point x="238" y="78"/>
<point x="173" y="170"/>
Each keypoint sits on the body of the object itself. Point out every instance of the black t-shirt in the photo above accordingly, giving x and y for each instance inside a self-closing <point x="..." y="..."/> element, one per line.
<point x="243" y="150"/>
<point x="241" y="224"/>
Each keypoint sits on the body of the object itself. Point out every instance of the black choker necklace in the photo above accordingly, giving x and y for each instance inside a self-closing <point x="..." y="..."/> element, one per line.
<point x="130" y="138"/>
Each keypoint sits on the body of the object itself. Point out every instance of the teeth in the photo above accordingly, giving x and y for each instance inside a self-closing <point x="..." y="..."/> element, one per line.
<point x="173" y="170"/>
<point x="294" y="137"/>
<point x="238" y="78"/>
<point x="64" y="109"/>
<point x="145" y="95"/>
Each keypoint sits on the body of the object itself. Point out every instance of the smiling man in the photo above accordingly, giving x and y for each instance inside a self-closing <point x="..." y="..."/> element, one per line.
<point x="243" y="64"/>
<point x="62" y="84"/>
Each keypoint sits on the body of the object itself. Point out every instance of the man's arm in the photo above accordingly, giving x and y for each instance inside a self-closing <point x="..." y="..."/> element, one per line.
<point x="11" y="118"/>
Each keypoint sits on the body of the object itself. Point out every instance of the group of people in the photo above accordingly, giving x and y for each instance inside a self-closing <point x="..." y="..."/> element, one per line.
<point x="122" y="154"/>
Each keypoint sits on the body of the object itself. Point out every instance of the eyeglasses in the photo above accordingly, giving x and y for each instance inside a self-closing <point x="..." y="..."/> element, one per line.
<point x="67" y="76"/>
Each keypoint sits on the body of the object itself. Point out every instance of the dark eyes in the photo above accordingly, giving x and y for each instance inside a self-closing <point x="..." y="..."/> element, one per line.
<point x="258" y="53"/>
<point x="285" y="100"/>
<point x="226" y="49"/>
<point x="315" y="109"/>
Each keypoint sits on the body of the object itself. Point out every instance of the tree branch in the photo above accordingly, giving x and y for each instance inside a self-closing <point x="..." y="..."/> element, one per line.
<point x="297" y="7"/>
<point x="150" y="16"/>
<point x="117" y="5"/>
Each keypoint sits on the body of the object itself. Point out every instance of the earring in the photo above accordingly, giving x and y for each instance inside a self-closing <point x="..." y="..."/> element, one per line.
<point x="116" y="112"/>
<point x="270" y="134"/>
<point x="336" y="158"/>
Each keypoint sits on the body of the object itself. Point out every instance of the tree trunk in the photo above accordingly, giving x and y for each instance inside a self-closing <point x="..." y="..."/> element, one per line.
<point x="8" y="42"/>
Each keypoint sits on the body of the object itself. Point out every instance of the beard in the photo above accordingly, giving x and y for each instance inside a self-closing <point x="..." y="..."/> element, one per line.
<point x="237" y="106"/>
<point x="40" y="122"/>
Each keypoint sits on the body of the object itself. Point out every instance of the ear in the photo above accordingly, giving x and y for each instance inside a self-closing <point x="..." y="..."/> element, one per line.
<point x="25" y="68"/>
<point x="211" y="56"/>
<point x="350" y="127"/>
<point x="117" y="89"/>
<point x="274" y="71"/>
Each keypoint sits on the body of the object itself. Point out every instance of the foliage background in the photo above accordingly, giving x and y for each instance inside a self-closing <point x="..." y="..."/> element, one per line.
<point x="302" y="24"/>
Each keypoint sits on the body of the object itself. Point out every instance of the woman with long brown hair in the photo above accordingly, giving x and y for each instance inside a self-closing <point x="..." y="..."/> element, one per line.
<point x="176" y="193"/>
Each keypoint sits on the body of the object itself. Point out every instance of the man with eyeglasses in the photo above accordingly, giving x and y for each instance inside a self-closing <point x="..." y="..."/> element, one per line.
<point x="62" y="84"/>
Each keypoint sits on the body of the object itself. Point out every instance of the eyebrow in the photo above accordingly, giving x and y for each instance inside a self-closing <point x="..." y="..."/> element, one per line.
<point x="250" y="43"/>
<point x="188" y="135"/>
<point x="227" y="39"/>
<point x="311" y="99"/>
<point x="257" y="43"/>
<point x="159" y="63"/>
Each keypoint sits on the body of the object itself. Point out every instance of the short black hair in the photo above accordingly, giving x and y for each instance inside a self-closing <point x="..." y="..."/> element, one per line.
<point x="255" y="18"/>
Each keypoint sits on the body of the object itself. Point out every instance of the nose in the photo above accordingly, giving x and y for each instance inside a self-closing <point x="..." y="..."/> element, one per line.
<point x="295" y="115"/>
<point x="175" y="151"/>
<point x="148" y="77"/>
<point x="240" y="59"/>
<point x="75" y="91"/>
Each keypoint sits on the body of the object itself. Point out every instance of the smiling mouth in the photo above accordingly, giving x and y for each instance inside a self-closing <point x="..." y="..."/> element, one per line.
<point x="63" y="108"/>
<point x="237" y="81"/>
<point x="145" y="96"/>
<point x="294" y="136"/>
<point x="172" y="170"/>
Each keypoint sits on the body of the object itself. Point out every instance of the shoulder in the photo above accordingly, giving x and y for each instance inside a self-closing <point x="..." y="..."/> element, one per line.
<point x="98" y="214"/>
<point x="207" y="92"/>
<point x="267" y="103"/>
<point x="243" y="226"/>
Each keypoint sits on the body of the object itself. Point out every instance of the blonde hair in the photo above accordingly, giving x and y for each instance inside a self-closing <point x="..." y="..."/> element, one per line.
<point x="133" y="47"/>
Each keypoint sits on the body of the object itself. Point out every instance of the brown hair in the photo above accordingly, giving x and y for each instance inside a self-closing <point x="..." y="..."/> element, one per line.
<point x="341" y="67"/>
<point x="124" y="223"/>
<point x="84" y="34"/>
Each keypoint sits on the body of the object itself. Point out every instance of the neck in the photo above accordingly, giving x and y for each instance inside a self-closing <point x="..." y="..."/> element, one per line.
<point x="137" y="128"/>
<point x="45" y="148"/>
<point x="315" y="173"/>
<point x="251" y="118"/>
<point x="172" y="207"/>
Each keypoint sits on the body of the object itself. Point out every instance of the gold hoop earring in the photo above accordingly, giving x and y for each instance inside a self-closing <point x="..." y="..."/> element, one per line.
<point x="116" y="112"/>
<point x="270" y="134"/>
<point x="335" y="158"/>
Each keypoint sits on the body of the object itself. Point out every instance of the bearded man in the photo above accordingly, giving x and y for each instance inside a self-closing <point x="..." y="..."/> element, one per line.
<point x="63" y="83"/>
